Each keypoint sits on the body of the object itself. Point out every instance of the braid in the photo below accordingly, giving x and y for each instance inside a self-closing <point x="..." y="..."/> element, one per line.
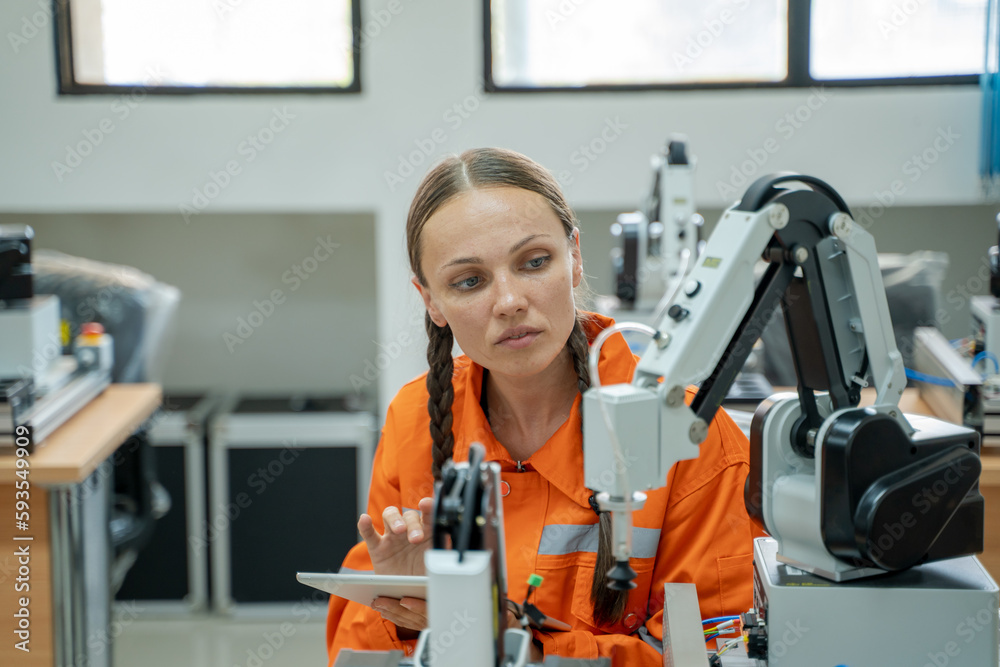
<point x="579" y="349"/>
<point x="441" y="390"/>
<point x="609" y="605"/>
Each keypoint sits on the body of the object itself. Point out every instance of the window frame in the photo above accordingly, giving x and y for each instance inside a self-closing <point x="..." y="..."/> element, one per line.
<point x="799" y="42"/>
<point x="67" y="84"/>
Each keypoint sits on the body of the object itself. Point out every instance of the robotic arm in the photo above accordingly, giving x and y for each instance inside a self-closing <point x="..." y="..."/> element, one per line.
<point x="827" y="478"/>
<point x="652" y="241"/>
<point x="831" y="482"/>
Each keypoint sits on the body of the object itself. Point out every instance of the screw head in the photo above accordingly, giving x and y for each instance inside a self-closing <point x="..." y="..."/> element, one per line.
<point x="778" y="216"/>
<point x="675" y="396"/>
<point x="840" y="225"/>
<point x="698" y="431"/>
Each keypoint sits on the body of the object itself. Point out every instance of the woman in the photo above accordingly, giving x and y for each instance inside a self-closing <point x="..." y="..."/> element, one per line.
<point x="495" y="253"/>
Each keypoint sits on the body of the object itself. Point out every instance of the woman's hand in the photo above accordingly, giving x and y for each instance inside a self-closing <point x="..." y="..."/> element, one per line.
<point x="410" y="617"/>
<point x="535" y="654"/>
<point x="400" y="550"/>
<point x="409" y="614"/>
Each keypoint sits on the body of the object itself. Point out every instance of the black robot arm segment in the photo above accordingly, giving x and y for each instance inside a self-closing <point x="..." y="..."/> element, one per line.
<point x="458" y="500"/>
<point x="765" y="189"/>
<point x="807" y="271"/>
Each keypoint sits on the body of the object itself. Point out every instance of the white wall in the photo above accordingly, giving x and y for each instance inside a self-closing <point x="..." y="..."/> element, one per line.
<point x="334" y="153"/>
<point x="270" y="303"/>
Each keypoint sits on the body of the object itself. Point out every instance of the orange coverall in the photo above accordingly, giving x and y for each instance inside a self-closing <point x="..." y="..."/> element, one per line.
<point x="695" y="529"/>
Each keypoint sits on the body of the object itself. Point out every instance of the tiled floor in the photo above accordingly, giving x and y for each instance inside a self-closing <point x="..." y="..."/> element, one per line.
<point x="211" y="641"/>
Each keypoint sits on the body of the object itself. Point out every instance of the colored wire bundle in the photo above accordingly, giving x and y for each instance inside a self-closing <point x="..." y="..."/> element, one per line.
<point x="730" y="644"/>
<point x="726" y="623"/>
<point x="715" y="660"/>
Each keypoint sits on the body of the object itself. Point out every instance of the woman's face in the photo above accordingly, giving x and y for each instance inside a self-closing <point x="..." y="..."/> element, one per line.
<point x="501" y="271"/>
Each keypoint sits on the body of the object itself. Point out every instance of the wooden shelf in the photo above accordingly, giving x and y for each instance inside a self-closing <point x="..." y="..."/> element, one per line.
<point x="89" y="437"/>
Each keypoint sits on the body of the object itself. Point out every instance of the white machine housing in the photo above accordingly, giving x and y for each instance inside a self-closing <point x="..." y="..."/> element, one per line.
<point x="30" y="340"/>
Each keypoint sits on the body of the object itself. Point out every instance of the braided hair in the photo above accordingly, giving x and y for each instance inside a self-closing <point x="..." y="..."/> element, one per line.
<point x="494" y="167"/>
<point x="609" y="605"/>
<point x="441" y="390"/>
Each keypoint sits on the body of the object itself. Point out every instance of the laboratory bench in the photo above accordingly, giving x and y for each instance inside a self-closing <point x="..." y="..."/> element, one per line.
<point x="69" y="600"/>
<point x="66" y="534"/>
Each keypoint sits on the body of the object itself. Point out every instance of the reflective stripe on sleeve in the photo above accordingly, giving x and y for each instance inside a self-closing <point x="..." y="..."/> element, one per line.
<point x="561" y="539"/>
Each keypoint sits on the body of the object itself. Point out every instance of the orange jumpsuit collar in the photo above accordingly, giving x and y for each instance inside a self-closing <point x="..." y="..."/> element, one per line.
<point x="550" y="461"/>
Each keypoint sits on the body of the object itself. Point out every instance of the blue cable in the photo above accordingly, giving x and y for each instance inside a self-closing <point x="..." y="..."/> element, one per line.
<point x="987" y="355"/>
<point x="720" y="619"/>
<point x="928" y="379"/>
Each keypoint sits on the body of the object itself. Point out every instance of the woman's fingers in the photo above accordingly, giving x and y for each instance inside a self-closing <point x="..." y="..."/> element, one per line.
<point x="393" y="520"/>
<point x="426" y="506"/>
<point x="368" y="532"/>
<point x="394" y="612"/>
<point x="414" y="526"/>
<point x="416" y="605"/>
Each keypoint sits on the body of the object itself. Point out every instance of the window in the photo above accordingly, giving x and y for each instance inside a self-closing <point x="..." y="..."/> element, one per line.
<point x="183" y="46"/>
<point x="883" y="39"/>
<point x="606" y="45"/>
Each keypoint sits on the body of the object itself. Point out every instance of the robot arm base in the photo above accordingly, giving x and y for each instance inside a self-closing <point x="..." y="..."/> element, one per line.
<point x="892" y="500"/>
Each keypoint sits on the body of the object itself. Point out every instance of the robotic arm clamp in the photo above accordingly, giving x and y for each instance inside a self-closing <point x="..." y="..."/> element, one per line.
<point x="830" y="481"/>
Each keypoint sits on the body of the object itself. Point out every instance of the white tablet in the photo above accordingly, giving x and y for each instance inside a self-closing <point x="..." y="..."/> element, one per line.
<point x="364" y="588"/>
